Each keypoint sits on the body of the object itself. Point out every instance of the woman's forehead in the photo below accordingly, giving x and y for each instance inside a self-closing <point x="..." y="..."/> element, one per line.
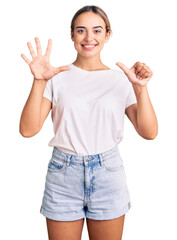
<point x="90" y="20"/>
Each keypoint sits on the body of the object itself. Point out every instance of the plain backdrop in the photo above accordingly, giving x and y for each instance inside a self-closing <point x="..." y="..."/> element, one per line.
<point x="143" y="31"/>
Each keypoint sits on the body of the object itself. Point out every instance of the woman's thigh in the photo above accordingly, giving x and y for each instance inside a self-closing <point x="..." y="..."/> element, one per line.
<point x="105" y="229"/>
<point x="64" y="230"/>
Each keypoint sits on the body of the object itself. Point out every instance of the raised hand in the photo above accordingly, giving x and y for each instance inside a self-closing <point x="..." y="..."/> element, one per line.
<point x="139" y="74"/>
<point x="40" y="65"/>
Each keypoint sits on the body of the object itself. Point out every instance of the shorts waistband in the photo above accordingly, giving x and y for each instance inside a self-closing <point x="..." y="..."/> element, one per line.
<point x="81" y="159"/>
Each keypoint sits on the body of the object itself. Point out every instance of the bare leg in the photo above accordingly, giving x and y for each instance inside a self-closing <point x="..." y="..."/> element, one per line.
<point x="65" y="230"/>
<point x="105" y="229"/>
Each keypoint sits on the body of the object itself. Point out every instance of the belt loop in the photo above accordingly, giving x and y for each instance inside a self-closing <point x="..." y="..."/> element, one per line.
<point x="68" y="160"/>
<point x="84" y="160"/>
<point x="101" y="160"/>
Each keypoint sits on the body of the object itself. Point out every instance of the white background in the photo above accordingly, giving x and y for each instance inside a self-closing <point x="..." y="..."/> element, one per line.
<point x="143" y="31"/>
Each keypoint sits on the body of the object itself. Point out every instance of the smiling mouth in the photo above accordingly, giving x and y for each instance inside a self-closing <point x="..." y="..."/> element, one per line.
<point x="88" y="47"/>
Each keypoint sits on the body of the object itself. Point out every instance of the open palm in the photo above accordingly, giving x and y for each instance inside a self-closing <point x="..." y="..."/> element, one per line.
<point x="40" y="65"/>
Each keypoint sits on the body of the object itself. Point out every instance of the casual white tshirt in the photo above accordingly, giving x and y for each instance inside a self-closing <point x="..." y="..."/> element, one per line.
<point x="88" y="109"/>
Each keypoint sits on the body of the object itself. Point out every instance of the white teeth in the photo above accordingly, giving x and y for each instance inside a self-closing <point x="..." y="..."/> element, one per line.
<point x="89" y="46"/>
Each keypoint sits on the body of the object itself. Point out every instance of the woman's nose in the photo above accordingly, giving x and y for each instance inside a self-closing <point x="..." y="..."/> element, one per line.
<point x="88" y="36"/>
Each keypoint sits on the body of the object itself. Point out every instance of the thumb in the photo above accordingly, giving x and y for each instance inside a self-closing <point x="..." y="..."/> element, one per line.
<point x="123" y="67"/>
<point x="61" y="69"/>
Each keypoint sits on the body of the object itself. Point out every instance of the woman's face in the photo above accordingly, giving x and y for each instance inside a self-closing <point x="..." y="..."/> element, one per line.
<point x="89" y="34"/>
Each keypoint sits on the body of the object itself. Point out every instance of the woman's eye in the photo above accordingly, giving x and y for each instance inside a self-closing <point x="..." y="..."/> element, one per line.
<point x="97" y="31"/>
<point x="80" y="31"/>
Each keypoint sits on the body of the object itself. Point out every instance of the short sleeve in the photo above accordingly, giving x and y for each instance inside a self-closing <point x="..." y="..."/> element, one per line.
<point x="131" y="98"/>
<point x="48" y="92"/>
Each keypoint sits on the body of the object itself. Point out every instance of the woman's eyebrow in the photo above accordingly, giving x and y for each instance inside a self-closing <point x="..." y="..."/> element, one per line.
<point x="93" y="27"/>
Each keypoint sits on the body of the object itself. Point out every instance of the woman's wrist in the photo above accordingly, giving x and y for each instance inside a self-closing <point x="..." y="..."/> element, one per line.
<point x="40" y="81"/>
<point x="139" y="90"/>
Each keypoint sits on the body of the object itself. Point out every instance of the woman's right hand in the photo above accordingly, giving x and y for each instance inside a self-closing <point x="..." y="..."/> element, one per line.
<point x="40" y="65"/>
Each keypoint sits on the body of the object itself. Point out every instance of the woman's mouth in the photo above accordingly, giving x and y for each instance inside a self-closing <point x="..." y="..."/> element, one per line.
<point x="88" y="46"/>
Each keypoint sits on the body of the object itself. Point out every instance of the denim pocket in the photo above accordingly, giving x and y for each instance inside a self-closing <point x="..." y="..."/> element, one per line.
<point x="57" y="164"/>
<point x="113" y="163"/>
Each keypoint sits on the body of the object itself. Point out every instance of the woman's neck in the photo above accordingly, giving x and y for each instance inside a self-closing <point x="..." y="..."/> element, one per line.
<point x="90" y="64"/>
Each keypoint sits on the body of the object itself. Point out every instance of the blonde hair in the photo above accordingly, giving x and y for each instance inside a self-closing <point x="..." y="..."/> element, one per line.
<point x="94" y="9"/>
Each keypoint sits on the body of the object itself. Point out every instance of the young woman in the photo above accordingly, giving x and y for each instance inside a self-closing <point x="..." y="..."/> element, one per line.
<point x="86" y="176"/>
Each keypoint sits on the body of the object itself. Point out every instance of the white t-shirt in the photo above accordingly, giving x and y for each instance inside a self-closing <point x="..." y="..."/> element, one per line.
<point x="88" y="109"/>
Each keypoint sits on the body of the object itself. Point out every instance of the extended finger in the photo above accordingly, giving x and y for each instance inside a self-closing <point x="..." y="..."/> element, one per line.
<point x="49" y="48"/>
<point x="25" y="58"/>
<point x="38" y="46"/>
<point x="61" y="69"/>
<point x="31" y="50"/>
<point x="123" y="67"/>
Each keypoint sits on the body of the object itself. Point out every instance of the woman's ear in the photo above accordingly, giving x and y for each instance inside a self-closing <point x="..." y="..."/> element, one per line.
<point x="107" y="36"/>
<point x="72" y="35"/>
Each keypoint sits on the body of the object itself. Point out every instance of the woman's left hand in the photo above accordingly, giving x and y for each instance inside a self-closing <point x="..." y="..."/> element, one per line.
<point x="139" y="74"/>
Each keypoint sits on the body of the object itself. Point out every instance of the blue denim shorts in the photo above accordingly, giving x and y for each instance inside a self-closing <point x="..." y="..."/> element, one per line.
<point x="92" y="186"/>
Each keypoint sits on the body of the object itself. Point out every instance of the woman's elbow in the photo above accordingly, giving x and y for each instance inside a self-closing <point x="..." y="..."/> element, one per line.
<point x="28" y="134"/>
<point x="151" y="136"/>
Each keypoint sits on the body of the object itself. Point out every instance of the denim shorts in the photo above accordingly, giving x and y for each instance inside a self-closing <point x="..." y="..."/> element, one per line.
<point x="92" y="186"/>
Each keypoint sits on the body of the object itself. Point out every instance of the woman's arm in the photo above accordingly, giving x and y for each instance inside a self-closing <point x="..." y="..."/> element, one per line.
<point x="35" y="110"/>
<point x="141" y="114"/>
<point x="37" y="107"/>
